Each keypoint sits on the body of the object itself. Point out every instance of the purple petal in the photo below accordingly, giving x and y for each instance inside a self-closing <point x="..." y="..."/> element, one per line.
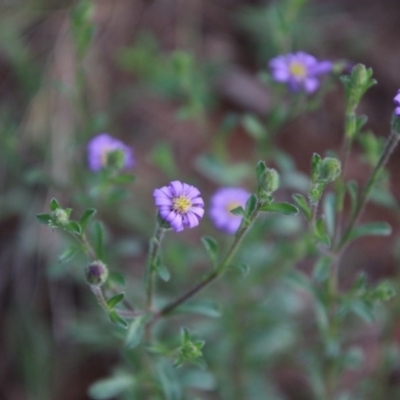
<point x="176" y="188"/>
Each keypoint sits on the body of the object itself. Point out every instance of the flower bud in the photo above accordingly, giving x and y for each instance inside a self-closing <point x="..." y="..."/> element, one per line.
<point x="359" y="75"/>
<point x="115" y="159"/>
<point x="328" y="170"/>
<point x="268" y="181"/>
<point x="59" y="217"/>
<point x="96" y="273"/>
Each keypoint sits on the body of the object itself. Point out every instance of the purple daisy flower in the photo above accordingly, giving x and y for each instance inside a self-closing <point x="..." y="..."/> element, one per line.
<point x="397" y="103"/>
<point x="222" y="202"/>
<point x="179" y="204"/>
<point x="99" y="148"/>
<point x="300" y="71"/>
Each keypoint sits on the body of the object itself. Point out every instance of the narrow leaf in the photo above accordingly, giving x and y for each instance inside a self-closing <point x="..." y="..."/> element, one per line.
<point x="238" y="211"/>
<point x="74" y="227"/>
<point x="123" y="179"/>
<point x="251" y="204"/>
<point x="352" y="188"/>
<point x="87" y="215"/>
<point x="321" y="234"/>
<point x="113" y="301"/>
<point x="162" y="272"/>
<point x="329" y="206"/>
<point x="44" y="218"/>
<point x="281" y="208"/>
<point x="211" y="247"/>
<point x="54" y="204"/>
<point x="303" y="205"/>
<point x="99" y="238"/>
<point x="253" y="126"/>
<point x="135" y="332"/>
<point x="322" y="269"/>
<point x="371" y="229"/>
<point x="111" y="387"/>
<point x="243" y="267"/>
<point x="68" y="254"/>
<point x="206" y="308"/>
<point x="118" y="320"/>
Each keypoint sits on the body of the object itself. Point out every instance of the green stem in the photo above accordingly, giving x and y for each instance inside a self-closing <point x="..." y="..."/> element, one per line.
<point x="391" y="143"/>
<point x="100" y="297"/>
<point x="213" y="275"/>
<point x="155" y="246"/>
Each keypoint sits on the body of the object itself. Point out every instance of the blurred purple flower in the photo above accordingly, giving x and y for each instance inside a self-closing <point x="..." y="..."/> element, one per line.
<point x="222" y="202"/>
<point x="99" y="148"/>
<point x="300" y="71"/>
<point x="179" y="204"/>
<point x="397" y="103"/>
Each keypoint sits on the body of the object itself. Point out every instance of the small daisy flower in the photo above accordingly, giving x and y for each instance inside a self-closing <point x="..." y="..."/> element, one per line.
<point x="222" y="202"/>
<point x="104" y="151"/>
<point x="397" y="103"/>
<point x="300" y="71"/>
<point x="180" y="205"/>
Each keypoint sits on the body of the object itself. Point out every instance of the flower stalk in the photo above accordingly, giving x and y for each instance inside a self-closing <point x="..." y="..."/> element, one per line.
<point x="213" y="275"/>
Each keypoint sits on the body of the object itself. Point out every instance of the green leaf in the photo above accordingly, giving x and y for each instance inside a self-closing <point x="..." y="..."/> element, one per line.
<point x="68" y="254"/>
<point x="116" y="278"/>
<point x="113" y="301"/>
<point x="74" y="227"/>
<point x="44" y="218"/>
<point x="117" y="320"/>
<point x="363" y="309"/>
<point x="281" y="208"/>
<point x="135" y="332"/>
<point x="315" y="161"/>
<point x="239" y="211"/>
<point x="251" y="204"/>
<point x="54" y="204"/>
<point x="123" y="179"/>
<point x="222" y="173"/>
<point x="99" y="239"/>
<point x="352" y="188"/>
<point x="87" y="215"/>
<point x="242" y="267"/>
<point x="260" y="169"/>
<point x="253" y="126"/>
<point x="211" y="247"/>
<point x="303" y="205"/>
<point x="111" y="387"/>
<point x="162" y="271"/>
<point x="300" y="280"/>
<point x="322" y="269"/>
<point x="202" y="307"/>
<point x="320" y="233"/>
<point x="371" y="229"/>
<point x="169" y="383"/>
<point x="162" y="156"/>
<point x="329" y="206"/>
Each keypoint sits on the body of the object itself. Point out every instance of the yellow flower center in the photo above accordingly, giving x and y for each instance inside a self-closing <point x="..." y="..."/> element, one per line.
<point x="298" y="70"/>
<point x="181" y="204"/>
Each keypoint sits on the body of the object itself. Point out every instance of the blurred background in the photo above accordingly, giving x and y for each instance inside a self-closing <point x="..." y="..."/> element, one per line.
<point x="173" y="80"/>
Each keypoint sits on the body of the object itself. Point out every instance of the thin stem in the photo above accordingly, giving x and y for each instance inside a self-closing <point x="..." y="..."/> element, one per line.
<point x="213" y="275"/>
<point x="100" y="297"/>
<point x="389" y="147"/>
<point x="155" y="246"/>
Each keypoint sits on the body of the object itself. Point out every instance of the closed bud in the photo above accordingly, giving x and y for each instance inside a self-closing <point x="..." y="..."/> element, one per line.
<point x="96" y="273"/>
<point x="328" y="170"/>
<point x="359" y="75"/>
<point x="268" y="181"/>
<point x="115" y="159"/>
<point x="59" y="217"/>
